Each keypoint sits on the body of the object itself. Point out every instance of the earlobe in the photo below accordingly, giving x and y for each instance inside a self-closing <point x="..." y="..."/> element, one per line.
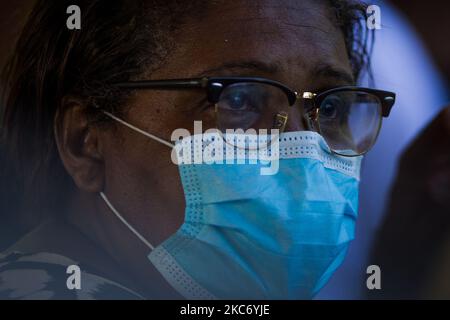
<point x="78" y="145"/>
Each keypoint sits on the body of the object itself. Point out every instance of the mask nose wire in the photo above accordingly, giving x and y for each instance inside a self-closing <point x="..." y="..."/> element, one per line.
<point x="137" y="234"/>
<point x="149" y="135"/>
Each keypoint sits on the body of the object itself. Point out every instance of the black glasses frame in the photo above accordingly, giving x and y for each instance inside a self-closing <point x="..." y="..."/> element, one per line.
<point x="214" y="87"/>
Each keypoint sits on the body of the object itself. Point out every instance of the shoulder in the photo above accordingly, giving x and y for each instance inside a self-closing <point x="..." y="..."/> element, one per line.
<point x="44" y="276"/>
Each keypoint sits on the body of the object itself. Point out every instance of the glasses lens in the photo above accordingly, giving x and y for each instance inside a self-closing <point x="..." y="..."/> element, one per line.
<point x="350" y="121"/>
<point x="249" y="107"/>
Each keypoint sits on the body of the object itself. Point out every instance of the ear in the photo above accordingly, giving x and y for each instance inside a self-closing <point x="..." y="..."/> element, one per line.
<point x="78" y="145"/>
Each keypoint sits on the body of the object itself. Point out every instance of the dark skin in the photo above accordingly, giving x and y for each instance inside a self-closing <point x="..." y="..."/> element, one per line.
<point x="294" y="42"/>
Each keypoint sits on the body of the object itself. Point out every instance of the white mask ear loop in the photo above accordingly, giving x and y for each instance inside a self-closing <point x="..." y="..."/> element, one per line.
<point x="137" y="234"/>
<point x="148" y="135"/>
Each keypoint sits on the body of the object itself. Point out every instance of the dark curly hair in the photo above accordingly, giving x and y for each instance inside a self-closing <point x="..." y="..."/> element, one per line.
<point x="51" y="62"/>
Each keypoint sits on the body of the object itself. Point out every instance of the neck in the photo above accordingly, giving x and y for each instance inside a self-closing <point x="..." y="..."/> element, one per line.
<point x="127" y="254"/>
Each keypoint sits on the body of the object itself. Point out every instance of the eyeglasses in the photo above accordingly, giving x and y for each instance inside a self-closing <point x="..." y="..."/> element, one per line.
<point x="349" y="118"/>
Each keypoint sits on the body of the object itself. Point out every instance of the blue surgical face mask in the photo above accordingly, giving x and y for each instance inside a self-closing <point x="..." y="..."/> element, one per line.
<point x="252" y="236"/>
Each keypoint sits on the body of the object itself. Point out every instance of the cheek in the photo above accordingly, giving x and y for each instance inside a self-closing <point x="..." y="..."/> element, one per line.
<point x="133" y="161"/>
<point x="162" y="112"/>
<point x="143" y="181"/>
<point x="139" y="169"/>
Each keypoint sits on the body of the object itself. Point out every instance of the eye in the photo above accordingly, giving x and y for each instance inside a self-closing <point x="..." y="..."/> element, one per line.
<point x="332" y="107"/>
<point x="240" y="100"/>
<point x="237" y="100"/>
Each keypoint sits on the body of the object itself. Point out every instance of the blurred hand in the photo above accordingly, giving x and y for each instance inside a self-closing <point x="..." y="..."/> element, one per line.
<point x="424" y="174"/>
<point x="418" y="215"/>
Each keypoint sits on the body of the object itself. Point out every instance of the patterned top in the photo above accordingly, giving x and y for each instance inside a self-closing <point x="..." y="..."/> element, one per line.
<point x="43" y="276"/>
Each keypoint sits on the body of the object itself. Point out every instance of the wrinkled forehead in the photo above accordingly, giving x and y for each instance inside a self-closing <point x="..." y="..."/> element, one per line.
<point x="267" y="19"/>
<point x="286" y="33"/>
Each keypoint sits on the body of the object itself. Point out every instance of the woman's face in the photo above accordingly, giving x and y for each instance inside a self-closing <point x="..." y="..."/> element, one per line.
<point x="294" y="42"/>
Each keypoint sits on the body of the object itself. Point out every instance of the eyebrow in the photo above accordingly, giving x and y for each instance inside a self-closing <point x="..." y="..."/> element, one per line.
<point x="323" y="70"/>
<point x="241" y="65"/>
<point x="329" y="71"/>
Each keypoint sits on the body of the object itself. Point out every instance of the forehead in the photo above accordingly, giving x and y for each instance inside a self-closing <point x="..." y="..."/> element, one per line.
<point x="294" y="35"/>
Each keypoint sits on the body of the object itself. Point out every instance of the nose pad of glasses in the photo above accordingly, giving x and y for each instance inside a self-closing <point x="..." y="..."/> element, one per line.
<point x="280" y="121"/>
<point x="294" y="120"/>
<point x="310" y="120"/>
